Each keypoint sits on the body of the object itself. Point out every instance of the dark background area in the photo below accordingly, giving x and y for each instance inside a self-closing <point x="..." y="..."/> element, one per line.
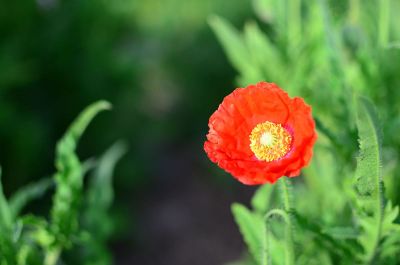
<point x="163" y="70"/>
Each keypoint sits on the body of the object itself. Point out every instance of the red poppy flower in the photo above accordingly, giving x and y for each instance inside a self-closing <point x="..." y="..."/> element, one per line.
<point x="259" y="134"/>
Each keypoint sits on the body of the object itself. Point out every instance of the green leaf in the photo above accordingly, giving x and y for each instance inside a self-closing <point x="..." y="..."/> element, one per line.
<point x="5" y="212"/>
<point x="264" y="9"/>
<point x="391" y="246"/>
<point x="261" y="199"/>
<point x="28" y="193"/>
<point x="7" y="248"/>
<point x="368" y="173"/>
<point x="390" y="215"/>
<point x="67" y="144"/>
<point x="33" y="221"/>
<point x="384" y="22"/>
<point x="69" y="176"/>
<point x="231" y="41"/>
<point x="100" y="192"/>
<point x="264" y="55"/>
<point x="369" y="185"/>
<point x="236" y="49"/>
<point x="251" y="227"/>
<point x="342" y="232"/>
<point x="340" y="248"/>
<point x="29" y="254"/>
<point x="391" y="230"/>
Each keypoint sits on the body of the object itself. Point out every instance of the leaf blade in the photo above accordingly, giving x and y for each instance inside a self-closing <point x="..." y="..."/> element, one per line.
<point x="369" y="184"/>
<point x="251" y="227"/>
<point x="30" y="192"/>
<point x="69" y="176"/>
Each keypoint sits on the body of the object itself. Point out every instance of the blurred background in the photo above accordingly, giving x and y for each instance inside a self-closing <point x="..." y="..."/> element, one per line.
<point x="163" y="70"/>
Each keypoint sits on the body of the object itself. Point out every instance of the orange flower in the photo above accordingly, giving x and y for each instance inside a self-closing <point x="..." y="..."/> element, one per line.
<point x="259" y="134"/>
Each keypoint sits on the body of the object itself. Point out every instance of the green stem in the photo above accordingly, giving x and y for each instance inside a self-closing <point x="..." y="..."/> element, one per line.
<point x="266" y="258"/>
<point x="287" y="204"/>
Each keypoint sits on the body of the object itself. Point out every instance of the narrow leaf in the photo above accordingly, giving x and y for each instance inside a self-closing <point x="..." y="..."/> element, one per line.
<point x="5" y="213"/>
<point x="236" y="49"/>
<point x="69" y="176"/>
<point x="340" y="248"/>
<point x="100" y="192"/>
<point x="264" y="54"/>
<point x="251" y="227"/>
<point x="28" y="193"/>
<point x="368" y="172"/>
<point x="369" y="183"/>
<point x="7" y="247"/>
<point x="231" y="41"/>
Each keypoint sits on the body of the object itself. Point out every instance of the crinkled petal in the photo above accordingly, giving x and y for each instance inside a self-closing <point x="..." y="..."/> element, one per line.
<point x="228" y="142"/>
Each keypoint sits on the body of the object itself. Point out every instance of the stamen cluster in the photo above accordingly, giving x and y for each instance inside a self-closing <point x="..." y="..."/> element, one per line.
<point x="270" y="141"/>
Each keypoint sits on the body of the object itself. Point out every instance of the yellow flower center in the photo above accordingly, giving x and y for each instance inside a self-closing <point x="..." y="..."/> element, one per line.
<point x="270" y="141"/>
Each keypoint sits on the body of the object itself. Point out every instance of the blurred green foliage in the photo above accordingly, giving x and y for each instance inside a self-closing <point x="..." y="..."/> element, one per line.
<point x="329" y="52"/>
<point x="156" y="61"/>
<point x="32" y="239"/>
<point x="159" y="65"/>
<point x="56" y="56"/>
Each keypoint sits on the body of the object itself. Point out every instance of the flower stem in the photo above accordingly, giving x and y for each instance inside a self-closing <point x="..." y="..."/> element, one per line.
<point x="287" y="204"/>
<point x="266" y="257"/>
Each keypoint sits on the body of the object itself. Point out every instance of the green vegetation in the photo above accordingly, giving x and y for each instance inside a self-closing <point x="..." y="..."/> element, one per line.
<point x="330" y="53"/>
<point x="79" y="216"/>
<point x="160" y="65"/>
